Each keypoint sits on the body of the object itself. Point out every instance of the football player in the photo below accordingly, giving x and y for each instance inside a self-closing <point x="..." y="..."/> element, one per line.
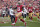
<point x="24" y="13"/>
<point x="12" y="15"/>
<point x="19" y="13"/>
<point x="3" y="12"/>
<point x="37" y="11"/>
<point x="30" y="9"/>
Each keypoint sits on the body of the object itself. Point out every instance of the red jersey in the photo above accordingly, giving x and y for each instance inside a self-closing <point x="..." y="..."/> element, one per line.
<point x="30" y="9"/>
<point x="37" y="10"/>
<point x="19" y="8"/>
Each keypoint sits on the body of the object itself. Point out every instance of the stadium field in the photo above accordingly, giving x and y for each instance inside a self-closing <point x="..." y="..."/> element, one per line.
<point x="34" y="23"/>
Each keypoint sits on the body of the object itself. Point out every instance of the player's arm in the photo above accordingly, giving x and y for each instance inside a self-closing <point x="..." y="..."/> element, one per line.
<point x="22" y="8"/>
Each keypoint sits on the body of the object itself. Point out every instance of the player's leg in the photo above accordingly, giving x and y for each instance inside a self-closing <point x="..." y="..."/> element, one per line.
<point x="16" y="19"/>
<point x="31" y="16"/>
<point x="37" y="15"/>
<point x="3" y="18"/>
<point x="11" y="17"/>
<point x="3" y="15"/>
<point x="23" y="21"/>
<point x="27" y="14"/>
<point x="8" y="14"/>
<point x="13" y="20"/>
<point x="24" y="16"/>
<point x="19" y="15"/>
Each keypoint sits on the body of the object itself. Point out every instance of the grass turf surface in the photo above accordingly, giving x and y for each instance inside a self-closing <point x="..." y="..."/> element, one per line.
<point x="29" y="24"/>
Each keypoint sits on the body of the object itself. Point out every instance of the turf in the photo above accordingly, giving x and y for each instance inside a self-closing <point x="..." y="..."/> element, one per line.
<point x="34" y="23"/>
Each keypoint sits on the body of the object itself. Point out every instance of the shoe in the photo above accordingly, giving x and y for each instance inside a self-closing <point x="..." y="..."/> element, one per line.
<point x="13" y="24"/>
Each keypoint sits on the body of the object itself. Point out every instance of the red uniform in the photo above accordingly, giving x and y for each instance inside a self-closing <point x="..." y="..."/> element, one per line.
<point x="19" y="14"/>
<point x="37" y="10"/>
<point x="19" y="8"/>
<point x="30" y="9"/>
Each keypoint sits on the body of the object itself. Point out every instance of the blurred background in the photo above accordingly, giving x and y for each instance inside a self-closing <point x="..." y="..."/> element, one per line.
<point x="7" y="3"/>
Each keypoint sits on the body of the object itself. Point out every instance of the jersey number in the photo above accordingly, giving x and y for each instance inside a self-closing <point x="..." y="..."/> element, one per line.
<point x="18" y="9"/>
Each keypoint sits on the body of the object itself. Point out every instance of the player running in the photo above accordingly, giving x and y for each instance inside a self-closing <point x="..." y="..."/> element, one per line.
<point x="19" y="13"/>
<point x="30" y="9"/>
<point x="37" y="11"/>
<point x="12" y="15"/>
<point x="3" y="12"/>
<point x="24" y="13"/>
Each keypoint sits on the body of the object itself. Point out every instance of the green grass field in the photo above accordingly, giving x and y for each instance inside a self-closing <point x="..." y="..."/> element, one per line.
<point x="34" y="23"/>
